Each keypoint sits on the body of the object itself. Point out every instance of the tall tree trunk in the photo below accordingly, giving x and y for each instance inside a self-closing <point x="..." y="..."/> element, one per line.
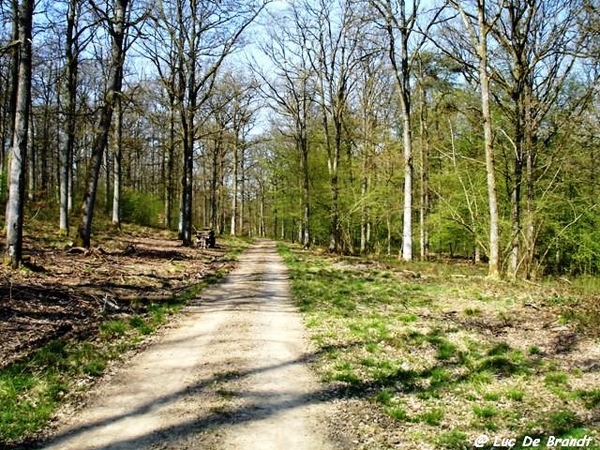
<point x="68" y="144"/>
<point x="234" y="188"/>
<point x="494" y="245"/>
<point x="402" y="70"/>
<point x="530" y="193"/>
<point x="31" y="169"/>
<point x="306" y="234"/>
<point x="424" y="176"/>
<point x="117" y="158"/>
<point x="115" y="80"/>
<point x="517" y="180"/>
<point x="242" y="190"/>
<point x="170" y="185"/>
<point x="16" y="193"/>
<point x="364" y="188"/>
<point x="214" y="184"/>
<point x="408" y="182"/>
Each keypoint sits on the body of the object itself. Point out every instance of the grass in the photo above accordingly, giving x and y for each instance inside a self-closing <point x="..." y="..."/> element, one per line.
<point x="31" y="389"/>
<point x="445" y="347"/>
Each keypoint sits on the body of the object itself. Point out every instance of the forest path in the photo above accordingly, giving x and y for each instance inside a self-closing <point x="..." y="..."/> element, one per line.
<point x="231" y="373"/>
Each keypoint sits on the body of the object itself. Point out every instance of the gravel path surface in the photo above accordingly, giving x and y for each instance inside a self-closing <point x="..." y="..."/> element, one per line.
<point x="231" y="373"/>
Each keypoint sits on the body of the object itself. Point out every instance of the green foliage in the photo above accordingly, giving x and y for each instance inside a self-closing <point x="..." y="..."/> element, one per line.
<point x="563" y="422"/>
<point x="140" y="208"/>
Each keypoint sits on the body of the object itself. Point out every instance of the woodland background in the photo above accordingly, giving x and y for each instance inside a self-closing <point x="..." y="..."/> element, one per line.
<point x="412" y="128"/>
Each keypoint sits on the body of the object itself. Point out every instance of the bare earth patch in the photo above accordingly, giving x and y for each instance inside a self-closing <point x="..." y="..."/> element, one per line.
<point x="64" y="293"/>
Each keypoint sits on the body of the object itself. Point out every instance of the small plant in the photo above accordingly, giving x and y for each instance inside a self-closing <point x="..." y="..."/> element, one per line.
<point x="344" y="372"/>
<point x="500" y="365"/>
<point x="485" y="412"/>
<point x="453" y="440"/>
<point x="534" y="350"/>
<point x="384" y="397"/>
<point x="446" y="350"/>
<point x="408" y="318"/>
<point x="471" y="312"/>
<point x="556" y="379"/>
<point x="94" y="368"/>
<point x="499" y="349"/>
<point x="491" y="396"/>
<point x="562" y="422"/>
<point x="114" y="328"/>
<point x="591" y="399"/>
<point x="397" y="413"/>
<point x="515" y="394"/>
<point x="433" y="417"/>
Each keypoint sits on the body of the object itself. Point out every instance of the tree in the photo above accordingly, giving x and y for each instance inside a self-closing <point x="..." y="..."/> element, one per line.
<point x="16" y="197"/>
<point x="479" y="25"/>
<point x="201" y="34"/>
<point x="334" y="32"/>
<point x="291" y="94"/>
<point x="538" y="47"/>
<point x="117" y="28"/>
<point x="405" y="39"/>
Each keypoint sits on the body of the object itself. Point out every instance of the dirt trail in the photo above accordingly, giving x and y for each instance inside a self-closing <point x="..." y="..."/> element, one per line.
<point x="231" y="374"/>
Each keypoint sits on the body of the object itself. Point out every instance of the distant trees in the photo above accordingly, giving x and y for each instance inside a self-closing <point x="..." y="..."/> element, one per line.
<point x="483" y="114"/>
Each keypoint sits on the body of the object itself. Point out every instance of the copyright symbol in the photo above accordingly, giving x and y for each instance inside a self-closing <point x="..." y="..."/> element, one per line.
<point x="480" y="441"/>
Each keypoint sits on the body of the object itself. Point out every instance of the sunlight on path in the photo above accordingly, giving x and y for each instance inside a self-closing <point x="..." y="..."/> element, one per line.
<point x="232" y="373"/>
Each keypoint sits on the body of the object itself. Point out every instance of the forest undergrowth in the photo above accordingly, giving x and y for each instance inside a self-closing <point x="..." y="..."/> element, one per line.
<point x="437" y="355"/>
<point x="69" y="315"/>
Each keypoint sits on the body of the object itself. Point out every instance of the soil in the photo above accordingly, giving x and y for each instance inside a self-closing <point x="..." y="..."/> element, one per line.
<point x="65" y="292"/>
<point x="231" y="372"/>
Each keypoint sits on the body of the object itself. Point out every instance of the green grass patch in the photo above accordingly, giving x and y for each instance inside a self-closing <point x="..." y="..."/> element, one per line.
<point x="410" y="344"/>
<point x="453" y="440"/>
<point x="432" y="417"/>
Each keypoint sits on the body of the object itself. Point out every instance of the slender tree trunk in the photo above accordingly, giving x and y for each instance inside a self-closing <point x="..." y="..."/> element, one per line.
<point x="68" y="144"/>
<point x="115" y="81"/>
<point x="187" y="183"/>
<point x="242" y="191"/>
<point x="306" y="235"/>
<point x="424" y="177"/>
<point x="364" y="185"/>
<point x="16" y="193"/>
<point x="170" y="185"/>
<point x="31" y="169"/>
<point x="530" y="193"/>
<point x="234" y="188"/>
<point x="214" y="183"/>
<point x="117" y="159"/>
<point x="408" y="182"/>
<point x="494" y="245"/>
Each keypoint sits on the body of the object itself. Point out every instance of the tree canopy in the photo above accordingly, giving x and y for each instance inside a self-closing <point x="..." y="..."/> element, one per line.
<point x="462" y="129"/>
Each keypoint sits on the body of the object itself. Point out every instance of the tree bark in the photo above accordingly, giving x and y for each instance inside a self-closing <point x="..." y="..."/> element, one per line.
<point x="16" y="194"/>
<point x="478" y="40"/>
<point x="494" y="246"/>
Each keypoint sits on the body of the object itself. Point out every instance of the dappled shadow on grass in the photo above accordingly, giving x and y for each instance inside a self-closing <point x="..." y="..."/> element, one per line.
<point x="452" y="343"/>
<point x="264" y="405"/>
<point x="259" y="406"/>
